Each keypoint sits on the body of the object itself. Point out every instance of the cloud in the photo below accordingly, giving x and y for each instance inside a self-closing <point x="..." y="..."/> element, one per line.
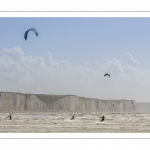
<point x="128" y="59"/>
<point x="47" y="75"/>
<point x="26" y="79"/>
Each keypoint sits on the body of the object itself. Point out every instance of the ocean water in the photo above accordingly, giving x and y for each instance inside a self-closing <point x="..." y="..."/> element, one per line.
<point x="82" y="123"/>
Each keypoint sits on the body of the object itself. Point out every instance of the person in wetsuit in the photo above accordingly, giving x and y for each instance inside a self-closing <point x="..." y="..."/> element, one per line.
<point x="72" y="117"/>
<point x="10" y="117"/>
<point x="102" y="119"/>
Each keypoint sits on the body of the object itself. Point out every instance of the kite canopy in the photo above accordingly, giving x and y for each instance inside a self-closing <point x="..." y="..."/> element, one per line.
<point x="26" y="33"/>
<point x="107" y="75"/>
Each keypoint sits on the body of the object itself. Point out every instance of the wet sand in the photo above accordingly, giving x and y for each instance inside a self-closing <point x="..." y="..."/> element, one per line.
<point x="82" y="123"/>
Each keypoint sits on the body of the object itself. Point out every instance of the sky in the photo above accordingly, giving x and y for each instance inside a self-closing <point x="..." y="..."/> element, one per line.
<point x="71" y="56"/>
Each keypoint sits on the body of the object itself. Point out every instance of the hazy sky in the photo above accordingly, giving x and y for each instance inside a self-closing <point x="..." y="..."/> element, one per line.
<point x="71" y="56"/>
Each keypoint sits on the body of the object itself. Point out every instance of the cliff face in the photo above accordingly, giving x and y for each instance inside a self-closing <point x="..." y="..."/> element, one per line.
<point x="143" y="107"/>
<point x="16" y="102"/>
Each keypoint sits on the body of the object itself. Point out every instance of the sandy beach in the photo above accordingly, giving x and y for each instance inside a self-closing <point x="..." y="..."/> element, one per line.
<point x="83" y="123"/>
